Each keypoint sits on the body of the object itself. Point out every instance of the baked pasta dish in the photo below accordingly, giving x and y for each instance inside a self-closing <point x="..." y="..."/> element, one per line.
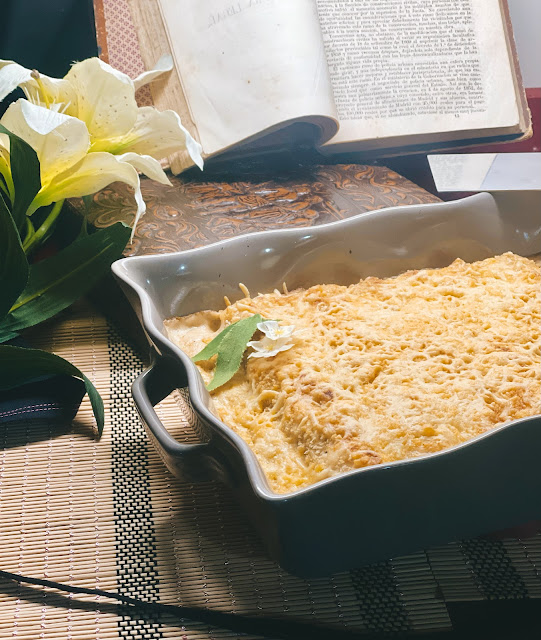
<point x="382" y="370"/>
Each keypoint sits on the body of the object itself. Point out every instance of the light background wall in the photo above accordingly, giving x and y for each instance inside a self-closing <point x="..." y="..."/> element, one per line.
<point x="526" y="19"/>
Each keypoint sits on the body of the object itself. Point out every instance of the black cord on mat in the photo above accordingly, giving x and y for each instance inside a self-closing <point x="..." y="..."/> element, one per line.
<point x="275" y="627"/>
<point x="469" y="619"/>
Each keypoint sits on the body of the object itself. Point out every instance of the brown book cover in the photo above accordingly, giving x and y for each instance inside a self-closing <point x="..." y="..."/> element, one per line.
<point x="222" y="202"/>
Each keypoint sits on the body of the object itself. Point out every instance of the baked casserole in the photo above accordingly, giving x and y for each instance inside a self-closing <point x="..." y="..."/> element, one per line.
<point x="381" y="370"/>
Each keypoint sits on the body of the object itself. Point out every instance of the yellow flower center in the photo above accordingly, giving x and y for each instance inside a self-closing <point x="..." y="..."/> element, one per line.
<point x="41" y="88"/>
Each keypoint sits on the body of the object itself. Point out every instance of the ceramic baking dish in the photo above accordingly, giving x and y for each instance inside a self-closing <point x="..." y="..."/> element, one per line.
<point x="370" y="514"/>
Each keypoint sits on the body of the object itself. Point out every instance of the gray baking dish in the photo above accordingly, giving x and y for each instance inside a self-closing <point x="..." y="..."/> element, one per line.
<point x="370" y="514"/>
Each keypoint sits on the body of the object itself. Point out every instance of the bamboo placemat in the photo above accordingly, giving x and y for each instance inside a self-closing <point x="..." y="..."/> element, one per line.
<point x="106" y="514"/>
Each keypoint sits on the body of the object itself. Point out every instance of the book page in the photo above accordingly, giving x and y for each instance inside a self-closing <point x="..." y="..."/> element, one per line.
<point x="167" y="92"/>
<point x="249" y="65"/>
<point x="401" y="67"/>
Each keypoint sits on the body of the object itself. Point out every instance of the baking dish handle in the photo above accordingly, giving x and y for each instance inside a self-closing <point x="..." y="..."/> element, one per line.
<point x="189" y="462"/>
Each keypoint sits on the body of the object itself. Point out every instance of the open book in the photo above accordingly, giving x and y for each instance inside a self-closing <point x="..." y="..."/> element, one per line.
<point x="382" y="76"/>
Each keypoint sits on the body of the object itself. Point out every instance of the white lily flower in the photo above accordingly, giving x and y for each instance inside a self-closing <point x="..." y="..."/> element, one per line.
<point x="147" y="165"/>
<point x="164" y="64"/>
<point x="104" y="99"/>
<point x="94" y="172"/>
<point x="59" y="140"/>
<point x="155" y="133"/>
<point x="88" y="131"/>
<point x="12" y="75"/>
<point x="53" y="93"/>
<point x="267" y="347"/>
<point x="274" y="331"/>
<point x="67" y="170"/>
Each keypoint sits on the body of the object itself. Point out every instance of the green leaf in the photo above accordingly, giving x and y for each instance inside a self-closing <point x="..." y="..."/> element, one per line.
<point x="4" y="201"/>
<point x="4" y="191"/>
<point x="212" y="347"/>
<point x="5" y="336"/>
<point x="88" y="202"/>
<point x="20" y="365"/>
<point x="83" y="231"/>
<point x="229" y="345"/>
<point x="25" y="173"/>
<point x="13" y="262"/>
<point x="58" y="281"/>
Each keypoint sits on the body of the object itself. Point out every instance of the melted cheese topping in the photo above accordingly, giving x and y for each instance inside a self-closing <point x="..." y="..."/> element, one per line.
<point x="381" y="370"/>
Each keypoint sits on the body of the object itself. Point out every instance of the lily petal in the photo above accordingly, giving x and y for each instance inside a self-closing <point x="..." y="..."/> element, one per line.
<point x="164" y="64"/>
<point x="60" y="141"/>
<point x="5" y="165"/>
<point x="105" y="98"/>
<point x="11" y="76"/>
<point x="157" y="134"/>
<point x="94" y="172"/>
<point x="50" y="93"/>
<point x="147" y="165"/>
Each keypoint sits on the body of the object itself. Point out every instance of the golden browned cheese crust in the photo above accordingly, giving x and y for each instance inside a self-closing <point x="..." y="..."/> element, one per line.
<point x="381" y="370"/>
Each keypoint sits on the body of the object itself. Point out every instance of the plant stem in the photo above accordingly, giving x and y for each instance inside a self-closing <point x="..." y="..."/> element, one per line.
<point x="31" y="241"/>
<point x="29" y="230"/>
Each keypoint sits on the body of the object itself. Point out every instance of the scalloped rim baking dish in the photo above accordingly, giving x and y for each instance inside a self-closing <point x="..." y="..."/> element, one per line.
<point x="369" y="514"/>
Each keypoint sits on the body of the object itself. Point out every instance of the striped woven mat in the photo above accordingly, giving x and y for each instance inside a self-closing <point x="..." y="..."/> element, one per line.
<point x="106" y="514"/>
